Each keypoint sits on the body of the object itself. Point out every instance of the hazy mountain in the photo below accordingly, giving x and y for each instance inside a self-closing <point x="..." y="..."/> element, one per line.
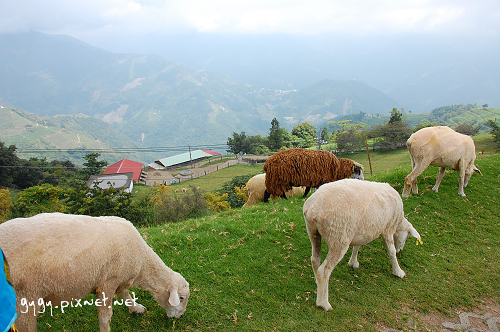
<point x="157" y="101"/>
<point x="422" y="72"/>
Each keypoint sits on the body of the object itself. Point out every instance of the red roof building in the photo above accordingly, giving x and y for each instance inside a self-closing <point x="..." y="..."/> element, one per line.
<point x="126" y="166"/>
<point x="213" y="153"/>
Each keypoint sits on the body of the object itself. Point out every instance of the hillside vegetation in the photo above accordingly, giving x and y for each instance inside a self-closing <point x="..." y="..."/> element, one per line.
<point x="249" y="268"/>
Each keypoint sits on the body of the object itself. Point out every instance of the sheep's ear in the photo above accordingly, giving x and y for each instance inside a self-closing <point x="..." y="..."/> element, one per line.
<point x="174" y="297"/>
<point x="414" y="233"/>
<point x="475" y="169"/>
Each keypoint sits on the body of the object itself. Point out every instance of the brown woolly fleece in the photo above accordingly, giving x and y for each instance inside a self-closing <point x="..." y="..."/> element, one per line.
<point x="302" y="167"/>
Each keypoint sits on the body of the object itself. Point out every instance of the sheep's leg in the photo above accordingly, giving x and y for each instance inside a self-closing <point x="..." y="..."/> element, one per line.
<point x="26" y="317"/>
<point x="266" y="196"/>
<point x="306" y="192"/>
<point x="133" y="307"/>
<point x="439" y="179"/>
<point x="391" y="251"/>
<point x="354" y="257"/>
<point x="411" y="179"/>
<point x="461" y="178"/>
<point x="315" y="239"/>
<point x="106" y="309"/>
<point x="325" y="270"/>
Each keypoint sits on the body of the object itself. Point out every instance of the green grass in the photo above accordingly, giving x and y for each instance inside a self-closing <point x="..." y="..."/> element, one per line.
<point x="250" y="270"/>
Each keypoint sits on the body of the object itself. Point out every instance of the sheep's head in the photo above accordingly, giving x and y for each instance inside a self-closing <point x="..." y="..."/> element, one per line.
<point x="174" y="300"/>
<point x="402" y="233"/>
<point x="357" y="171"/>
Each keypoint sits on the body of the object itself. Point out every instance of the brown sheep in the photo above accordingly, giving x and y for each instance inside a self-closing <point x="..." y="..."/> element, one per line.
<point x="308" y="168"/>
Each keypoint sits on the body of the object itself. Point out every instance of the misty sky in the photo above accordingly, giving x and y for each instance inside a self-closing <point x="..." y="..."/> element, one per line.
<point x="94" y="21"/>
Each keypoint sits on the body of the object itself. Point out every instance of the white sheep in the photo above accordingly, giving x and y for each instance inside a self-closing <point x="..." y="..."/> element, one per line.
<point x="441" y="147"/>
<point x="62" y="258"/>
<point x="353" y="212"/>
<point x="256" y="187"/>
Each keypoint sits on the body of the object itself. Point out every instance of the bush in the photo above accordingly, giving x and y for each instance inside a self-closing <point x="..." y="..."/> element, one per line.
<point x="234" y="197"/>
<point x="109" y="202"/>
<point x="5" y="202"/>
<point x="38" y="199"/>
<point x="171" y="208"/>
<point x="217" y="202"/>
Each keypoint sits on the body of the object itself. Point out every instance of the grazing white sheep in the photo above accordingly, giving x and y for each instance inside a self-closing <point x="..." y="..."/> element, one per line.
<point x="352" y="212"/>
<point x="256" y="187"/>
<point x="442" y="147"/>
<point x="60" y="258"/>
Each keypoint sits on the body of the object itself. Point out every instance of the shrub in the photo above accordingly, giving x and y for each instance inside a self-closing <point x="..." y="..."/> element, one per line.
<point x="235" y="200"/>
<point x="108" y="202"/>
<point x="5" y="202"/>
<point x="38" y="199"/>
<point x="172" y="208"/>
<point x="217" y="202"/>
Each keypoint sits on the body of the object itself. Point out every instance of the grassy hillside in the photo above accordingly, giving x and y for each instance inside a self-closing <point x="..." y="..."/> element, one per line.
<point x="53" y="135"/>
<point x="250" y="270"/>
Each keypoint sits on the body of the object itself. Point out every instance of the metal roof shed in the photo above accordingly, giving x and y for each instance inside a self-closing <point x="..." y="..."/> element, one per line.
<point x="119" y="181"/>
<point x="183" y="158"/>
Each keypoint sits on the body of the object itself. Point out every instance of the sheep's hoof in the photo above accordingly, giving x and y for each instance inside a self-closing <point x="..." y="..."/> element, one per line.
<point x="354" y="265"/>
<point x="399" y="274"/>
<point x="139" y="309"/>
<point x="326" y="306"/>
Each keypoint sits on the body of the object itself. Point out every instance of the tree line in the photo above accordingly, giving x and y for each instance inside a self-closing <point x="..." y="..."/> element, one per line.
<point x="349" y="136"/>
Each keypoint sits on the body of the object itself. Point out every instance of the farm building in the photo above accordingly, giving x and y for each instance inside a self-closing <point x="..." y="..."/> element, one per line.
<point x="122" y="181"/>
<point x="126" y="166"/>
<point x="183" y="159"/>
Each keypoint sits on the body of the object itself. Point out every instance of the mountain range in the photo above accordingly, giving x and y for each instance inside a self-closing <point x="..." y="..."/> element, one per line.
<point x="142" y="101"/>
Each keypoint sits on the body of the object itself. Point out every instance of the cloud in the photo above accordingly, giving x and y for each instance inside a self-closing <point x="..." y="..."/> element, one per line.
<point x="250" y="16"/>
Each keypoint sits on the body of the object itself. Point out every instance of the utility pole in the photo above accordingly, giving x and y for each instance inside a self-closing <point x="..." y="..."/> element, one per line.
<point x="190" y="158"/>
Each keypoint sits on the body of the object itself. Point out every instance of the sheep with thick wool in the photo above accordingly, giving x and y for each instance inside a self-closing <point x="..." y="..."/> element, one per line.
<point x="61" y="258"/>
<point x="256" y="187"/>
<point x="309" y="168"/>
<point x="442" y="147"/>
<point x="351" y="212"/>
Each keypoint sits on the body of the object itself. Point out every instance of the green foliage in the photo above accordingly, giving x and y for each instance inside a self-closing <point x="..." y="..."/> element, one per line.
<point x="38" y="199"/>
<point x="170" y="207"/>
<point x="217" y="202"/>
<point x="5" y="203"/>
<point x="8" y="163"/>
<point x="468" y="129"/>
<point x="495" y="131"/>
<point x="393" y="134"/>
<point x="233" y="196"/>
<point x="108" y="202"/>
<point x="92" y="166"/>
<point x="305" y="131"/>
<point x="423" y="124"/>
<point x="324" y="134"/>
<point x="275" y="136"/>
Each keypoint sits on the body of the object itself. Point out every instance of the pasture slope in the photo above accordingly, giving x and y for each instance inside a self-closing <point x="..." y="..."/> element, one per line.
<point x="250" y="270"/>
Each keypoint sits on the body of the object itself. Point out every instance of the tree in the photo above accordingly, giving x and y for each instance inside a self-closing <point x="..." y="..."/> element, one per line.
<point x="306" y="132"/>
<point x="423" y="124"/>
<point x="468" y="129"/>
<point x="495" y="131"/>
<point x="8" y="163"/>
<point x="324" y="134"/>
<point x="349" y="136"/>
<point x="92" y="166"/>
<point x="393" y="134"/>
<point x="396" y="115"/>
<point x="275" y="136"/>
<point x="238" y="143"/>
